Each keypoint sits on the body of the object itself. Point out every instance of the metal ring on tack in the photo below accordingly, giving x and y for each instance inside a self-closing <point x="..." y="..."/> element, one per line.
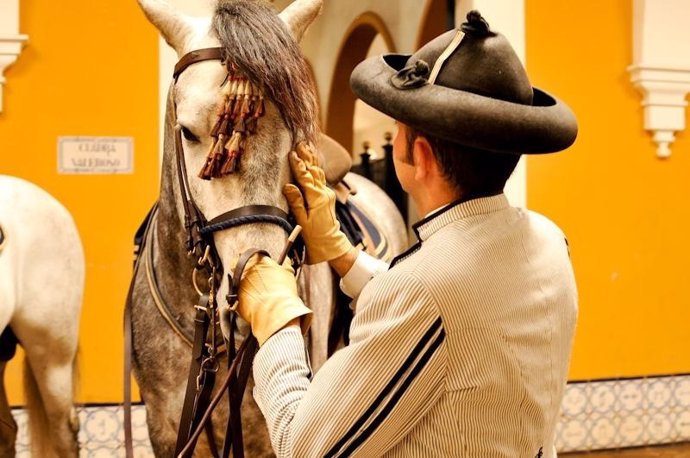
<point x="233" y="301"/>
<point x="206" y="258"/>
<point x="233" y="307"/>
<point x="214" y="365"/>
<point x="196" y="285"/>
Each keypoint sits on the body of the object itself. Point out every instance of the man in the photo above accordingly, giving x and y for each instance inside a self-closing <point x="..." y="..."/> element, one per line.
<point x="461" y="348"/>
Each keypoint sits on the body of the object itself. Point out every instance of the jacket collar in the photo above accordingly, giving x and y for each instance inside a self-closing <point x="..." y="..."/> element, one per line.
<point x="459" y="209"/>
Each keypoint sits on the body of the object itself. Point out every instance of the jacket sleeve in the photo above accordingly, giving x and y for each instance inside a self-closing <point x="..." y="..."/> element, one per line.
<point x="367" y="396"/>
<point x="362" y="271"/>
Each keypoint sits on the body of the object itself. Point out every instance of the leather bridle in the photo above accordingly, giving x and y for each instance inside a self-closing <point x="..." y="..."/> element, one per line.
<point x="198" y="405"/>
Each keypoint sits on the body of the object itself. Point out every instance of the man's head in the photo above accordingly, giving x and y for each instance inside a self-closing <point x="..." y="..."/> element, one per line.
<point x="471" y="172"/>
<point x="467" y="95"/>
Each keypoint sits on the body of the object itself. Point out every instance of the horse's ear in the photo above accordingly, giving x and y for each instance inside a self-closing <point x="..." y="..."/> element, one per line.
<point x="173" y="26"/>
<point x="300" y="14"/>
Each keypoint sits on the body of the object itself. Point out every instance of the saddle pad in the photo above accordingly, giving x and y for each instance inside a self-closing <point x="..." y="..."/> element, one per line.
<point x="375" y="242"/>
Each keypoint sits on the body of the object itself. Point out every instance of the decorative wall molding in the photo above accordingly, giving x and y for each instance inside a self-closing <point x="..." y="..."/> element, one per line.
<point x="661" y="67"/>
<point x="11" y="41"/>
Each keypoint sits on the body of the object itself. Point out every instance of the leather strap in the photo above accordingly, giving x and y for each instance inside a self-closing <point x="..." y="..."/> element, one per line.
<point x="192" y="216"/>
<point x="249" y="214"/>
<point x="233" y="431"/>
<point x="245" y="356"/>
<point x="204" y="398"/>
<point x="216" y="399"/>
<point x="232" y="377"/>
<point x="198" y="55"/>
<point x="250" y="210"/>
<point x="237" y="394"/>
<point x="236" y="277"/>
<point x="194" y="384"/>
<point x="210" y="437"/>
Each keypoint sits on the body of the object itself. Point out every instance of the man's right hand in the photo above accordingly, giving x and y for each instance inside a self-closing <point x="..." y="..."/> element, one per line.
<point x="314" y="208"/>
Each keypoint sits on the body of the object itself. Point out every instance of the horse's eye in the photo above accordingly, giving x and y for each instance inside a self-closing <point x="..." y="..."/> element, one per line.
<point x="189" y="136"/>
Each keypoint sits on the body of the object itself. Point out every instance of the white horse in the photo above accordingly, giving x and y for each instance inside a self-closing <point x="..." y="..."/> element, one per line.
<point x="265" y="63"/>
<point x="41" y="287"/>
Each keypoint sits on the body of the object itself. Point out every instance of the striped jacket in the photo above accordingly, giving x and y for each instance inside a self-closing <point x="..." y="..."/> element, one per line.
<point x="461" y="349"/>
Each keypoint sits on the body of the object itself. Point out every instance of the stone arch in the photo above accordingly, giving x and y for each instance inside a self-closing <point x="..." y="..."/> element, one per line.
<point x="434" y="21"/>
<point x="354" y="48"/>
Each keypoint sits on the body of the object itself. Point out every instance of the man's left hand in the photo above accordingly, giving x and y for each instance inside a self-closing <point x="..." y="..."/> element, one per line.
<point x="268" y="298"/>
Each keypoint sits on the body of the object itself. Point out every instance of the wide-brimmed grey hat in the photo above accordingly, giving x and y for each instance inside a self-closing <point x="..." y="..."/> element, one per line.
<point x="469" y="87"/>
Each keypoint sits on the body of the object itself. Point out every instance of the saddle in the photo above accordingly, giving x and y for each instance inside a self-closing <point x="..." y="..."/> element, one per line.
<point x="334" y="159"/>
<point x="360" y="228"/>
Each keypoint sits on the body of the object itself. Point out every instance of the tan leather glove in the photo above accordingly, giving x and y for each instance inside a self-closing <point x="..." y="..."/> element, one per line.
<point x="268" y="298"/>
<point x="315" y="209"/>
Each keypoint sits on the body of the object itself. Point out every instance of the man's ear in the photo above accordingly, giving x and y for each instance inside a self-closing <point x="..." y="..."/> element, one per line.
<point x="424" y="159"/>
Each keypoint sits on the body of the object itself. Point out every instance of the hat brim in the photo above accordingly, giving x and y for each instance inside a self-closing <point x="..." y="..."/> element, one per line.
<point x="469" y="119"/>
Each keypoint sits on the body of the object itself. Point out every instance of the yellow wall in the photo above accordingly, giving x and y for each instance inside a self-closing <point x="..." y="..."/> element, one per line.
<point x="626" y="213"/>
<point x="90" y="69"/>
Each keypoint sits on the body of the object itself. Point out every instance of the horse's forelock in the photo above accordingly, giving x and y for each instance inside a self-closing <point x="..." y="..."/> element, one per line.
<point x="259" y="44"/>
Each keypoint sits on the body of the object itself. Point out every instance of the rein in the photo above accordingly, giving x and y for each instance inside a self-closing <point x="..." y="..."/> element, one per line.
<point x="197" y="407"/>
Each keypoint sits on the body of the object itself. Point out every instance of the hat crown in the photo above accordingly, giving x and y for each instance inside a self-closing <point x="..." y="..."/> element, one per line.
<point x="467" y="87"/>
<point x="484" y="63"/>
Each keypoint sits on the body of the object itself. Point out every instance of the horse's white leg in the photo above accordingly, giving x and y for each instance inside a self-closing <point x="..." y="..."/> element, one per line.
<point x="48" y="380"/>
<point x="50" y="371"/>
<point x="8" y="427"/>
<point x="48" y="262"/>
<point x="49" y="336"/>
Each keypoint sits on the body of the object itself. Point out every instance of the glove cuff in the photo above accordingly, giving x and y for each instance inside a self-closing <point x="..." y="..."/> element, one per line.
<point x="336" y="246"/>
<point x="271" y="319"/>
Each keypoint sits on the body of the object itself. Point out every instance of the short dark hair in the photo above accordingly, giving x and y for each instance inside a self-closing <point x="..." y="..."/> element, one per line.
<point x="473" y="172"/>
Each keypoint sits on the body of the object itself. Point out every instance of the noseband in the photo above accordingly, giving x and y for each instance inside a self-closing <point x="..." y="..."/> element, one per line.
<point x="200" y="243"/>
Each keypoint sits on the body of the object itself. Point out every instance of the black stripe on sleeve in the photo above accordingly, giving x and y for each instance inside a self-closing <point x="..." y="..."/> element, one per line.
<point x="423" y="342"/>
<point x="364" y="435"/>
